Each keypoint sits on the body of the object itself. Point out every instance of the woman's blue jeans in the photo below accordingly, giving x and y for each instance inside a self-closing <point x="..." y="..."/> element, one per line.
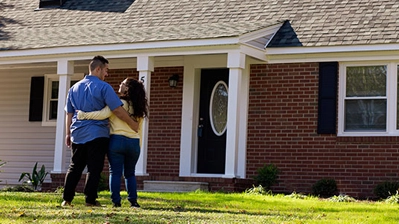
<point x="122" y="156"/>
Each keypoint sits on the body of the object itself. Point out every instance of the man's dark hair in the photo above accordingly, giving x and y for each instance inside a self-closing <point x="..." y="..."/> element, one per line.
<point x="98" y="61"/>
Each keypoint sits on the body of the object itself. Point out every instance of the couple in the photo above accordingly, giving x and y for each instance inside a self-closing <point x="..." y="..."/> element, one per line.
<point x="90" y="102"/>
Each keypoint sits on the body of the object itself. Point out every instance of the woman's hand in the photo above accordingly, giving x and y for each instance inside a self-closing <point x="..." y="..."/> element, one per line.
<point x="80" y="115"/>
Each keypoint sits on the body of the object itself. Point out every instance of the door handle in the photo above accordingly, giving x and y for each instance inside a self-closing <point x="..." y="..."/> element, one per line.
<point x="200" y="127"/>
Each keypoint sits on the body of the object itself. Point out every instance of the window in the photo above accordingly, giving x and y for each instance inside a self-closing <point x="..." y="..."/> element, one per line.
<point x="368" y="104"/>
<point x="218" y="108"/>
<point x="50" y="104"/>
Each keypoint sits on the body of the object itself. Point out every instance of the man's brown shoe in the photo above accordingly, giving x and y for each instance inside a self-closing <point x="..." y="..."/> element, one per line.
<point x="95" y="204"/>
<point x="66" y="204"/>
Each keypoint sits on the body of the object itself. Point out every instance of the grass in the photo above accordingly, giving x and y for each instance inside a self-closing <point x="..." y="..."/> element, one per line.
<point x="193" y="207"/>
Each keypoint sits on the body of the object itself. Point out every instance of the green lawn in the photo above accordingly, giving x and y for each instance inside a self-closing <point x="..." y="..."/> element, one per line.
<point x="193" y="207"/>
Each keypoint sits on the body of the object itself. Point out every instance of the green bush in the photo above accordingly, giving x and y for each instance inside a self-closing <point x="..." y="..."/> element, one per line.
<point x="386" y="189"/>
<point x="325" y="188"/>
<point x="267" y="176"/>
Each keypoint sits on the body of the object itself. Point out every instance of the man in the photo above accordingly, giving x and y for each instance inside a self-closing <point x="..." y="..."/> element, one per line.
<point x="89" y="138"/>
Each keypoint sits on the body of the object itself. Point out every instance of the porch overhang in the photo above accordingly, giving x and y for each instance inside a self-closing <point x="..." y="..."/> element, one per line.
<point x="332" y="53"/>
<point x="252" y="44"/>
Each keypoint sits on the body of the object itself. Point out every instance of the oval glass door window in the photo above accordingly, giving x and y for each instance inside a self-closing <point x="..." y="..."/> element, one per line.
<point x="218" y="108"/>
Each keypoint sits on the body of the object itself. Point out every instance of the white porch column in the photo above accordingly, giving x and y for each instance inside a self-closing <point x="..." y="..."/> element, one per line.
<point x="189" y="122"/>
<point x="65" y="70"/>
<point x="236" y="64"/>
<point x="243" y="122"/>
<point x="145" y="65"/>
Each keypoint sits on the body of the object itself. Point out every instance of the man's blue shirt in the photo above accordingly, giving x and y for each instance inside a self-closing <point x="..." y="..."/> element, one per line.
<point x="90" y="94"/>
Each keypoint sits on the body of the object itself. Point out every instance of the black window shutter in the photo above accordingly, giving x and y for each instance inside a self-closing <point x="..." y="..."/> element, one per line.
<point x="327" y="115"/>
<point x="36" y="98"/>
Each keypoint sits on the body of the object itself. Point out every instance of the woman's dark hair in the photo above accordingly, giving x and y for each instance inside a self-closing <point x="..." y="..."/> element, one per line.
<point x="136" y="96"/>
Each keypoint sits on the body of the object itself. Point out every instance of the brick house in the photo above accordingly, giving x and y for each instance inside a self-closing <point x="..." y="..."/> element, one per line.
<point x="308" y="86"/>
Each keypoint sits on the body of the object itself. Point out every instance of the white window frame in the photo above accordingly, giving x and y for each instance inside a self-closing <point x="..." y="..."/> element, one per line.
<point x="48" y="79"/>
<point x="391" y="96"/>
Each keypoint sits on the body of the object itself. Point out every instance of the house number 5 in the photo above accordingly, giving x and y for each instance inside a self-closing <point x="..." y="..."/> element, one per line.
<point x="142" y="79"/>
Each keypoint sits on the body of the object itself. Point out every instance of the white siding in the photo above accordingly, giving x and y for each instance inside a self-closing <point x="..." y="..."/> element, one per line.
<point x="22" y="143"/>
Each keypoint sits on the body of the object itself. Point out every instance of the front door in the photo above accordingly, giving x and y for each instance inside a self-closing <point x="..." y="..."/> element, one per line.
<point x="212" y="121"/>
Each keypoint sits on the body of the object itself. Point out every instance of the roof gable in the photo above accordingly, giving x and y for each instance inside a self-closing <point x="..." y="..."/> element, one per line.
<point x="285" y="37"/>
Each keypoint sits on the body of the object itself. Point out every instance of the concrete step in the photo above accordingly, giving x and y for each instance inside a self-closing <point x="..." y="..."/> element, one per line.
<point x="174" y="186"/>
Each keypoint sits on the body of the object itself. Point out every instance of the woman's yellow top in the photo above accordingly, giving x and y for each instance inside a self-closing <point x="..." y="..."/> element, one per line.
<point x="117" y="126"/>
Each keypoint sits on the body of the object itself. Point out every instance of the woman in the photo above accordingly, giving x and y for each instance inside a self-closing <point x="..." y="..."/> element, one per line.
<point x="124" y="148"/>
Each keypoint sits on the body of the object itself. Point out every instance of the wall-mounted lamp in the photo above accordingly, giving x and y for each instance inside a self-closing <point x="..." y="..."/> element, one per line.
<point x="173" y="80"/>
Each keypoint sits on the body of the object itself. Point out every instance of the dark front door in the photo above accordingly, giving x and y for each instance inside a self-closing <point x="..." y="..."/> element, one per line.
<point x="212" y="121"/>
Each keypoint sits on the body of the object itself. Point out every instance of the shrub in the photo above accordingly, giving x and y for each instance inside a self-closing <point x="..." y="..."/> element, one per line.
<point x="267" y="176"/>
<point x="386" y="189"/>
<point x="325" y="188"/>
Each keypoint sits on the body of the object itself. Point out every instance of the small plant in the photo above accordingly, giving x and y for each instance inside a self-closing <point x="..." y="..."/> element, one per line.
<point x="325" y="188"/>
<point x="2" y="164"/>
<point x="393" y="199"/>
<point x="267" y="176"/>
<point x="342" y="198"/>
<point x="35" y="178"/>
<point x="19" y="188"/>
<point x="257" y="190"/>
<point x="59" y="190"/>
<point x="296" y="195"/>
<point x="386" y="189"/>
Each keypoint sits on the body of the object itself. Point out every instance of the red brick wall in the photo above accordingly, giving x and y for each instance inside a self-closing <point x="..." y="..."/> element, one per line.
<point x="116" y="76"/>
<point x="165" y="124"/>
<point x="282" y="130"/>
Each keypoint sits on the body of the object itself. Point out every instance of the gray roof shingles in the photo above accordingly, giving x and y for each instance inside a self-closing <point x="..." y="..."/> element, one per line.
<point x="92" y="22"/>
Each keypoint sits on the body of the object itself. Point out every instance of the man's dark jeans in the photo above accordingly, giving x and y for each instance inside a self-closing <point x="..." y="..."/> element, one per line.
<point x="92" y="155"/>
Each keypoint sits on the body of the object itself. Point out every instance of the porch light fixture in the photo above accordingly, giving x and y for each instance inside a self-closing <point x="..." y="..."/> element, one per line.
<point x="173" y="80"/>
